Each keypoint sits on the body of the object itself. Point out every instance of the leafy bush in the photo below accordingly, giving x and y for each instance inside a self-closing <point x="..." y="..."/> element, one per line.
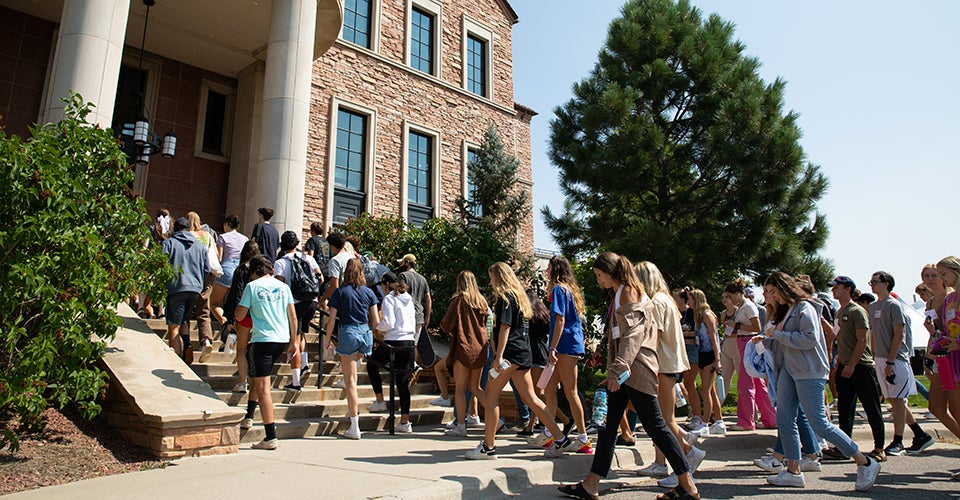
<point x="72" y="237"/>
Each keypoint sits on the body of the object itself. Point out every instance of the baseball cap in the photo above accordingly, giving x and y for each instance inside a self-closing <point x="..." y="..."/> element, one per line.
<point x="411" y="258"/>
<point x="388" y="278"/>
<point x="181" y="224"/>
<point x="748" y="292"/>
<point x="842" y="280"/>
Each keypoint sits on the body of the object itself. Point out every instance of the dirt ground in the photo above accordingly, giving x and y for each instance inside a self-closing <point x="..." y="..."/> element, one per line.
<point x="70" y="449"/>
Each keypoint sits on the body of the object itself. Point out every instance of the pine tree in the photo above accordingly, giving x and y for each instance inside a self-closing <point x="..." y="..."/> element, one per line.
<point x="674" y="150"/>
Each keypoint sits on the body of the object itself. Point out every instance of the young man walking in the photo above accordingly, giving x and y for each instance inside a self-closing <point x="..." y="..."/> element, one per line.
<point x="891" y="352"/>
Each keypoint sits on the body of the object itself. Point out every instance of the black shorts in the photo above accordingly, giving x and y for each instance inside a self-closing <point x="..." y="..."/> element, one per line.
<point x="305" y="311"/>
<point x="262" y="355"/>
<point x="676" y="377"/>
<point x="706" y="359"/>
<point x="180" y="307"/>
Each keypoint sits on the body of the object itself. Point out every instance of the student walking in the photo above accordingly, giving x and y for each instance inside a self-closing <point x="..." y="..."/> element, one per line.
<point x="466" y="321"/>
<point x="944" y="403"/>
<point x="396" y="328"/>
<point x="269" y="303"/>
<point x="632" y="377"/>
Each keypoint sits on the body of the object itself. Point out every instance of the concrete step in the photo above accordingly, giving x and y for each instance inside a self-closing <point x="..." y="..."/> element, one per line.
<point x="333" y="409"/>
<point x="301" y="428"/>
<point x="328" y="395"/>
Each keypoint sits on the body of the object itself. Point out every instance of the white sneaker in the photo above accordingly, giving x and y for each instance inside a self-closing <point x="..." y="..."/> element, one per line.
<point x="672" y="481"/>
<point x="473" y="420"/>
<point x="352" y="433"/>
<point x="693" y="423"/>
<point x="867" y="475"/>
<point x="481" y="452"/>
<point x="450" y="425"/>
<point x="695" y="457"/>
<point x="456" y="431"/>
<point x="718" y="428"/>
<point x="539" y="441"/>
<point x="769" y="464"/>
<point x="558" y="448"/>
<point x="207" y="351"/>
<point x="787" y="478"/>
<point x="442" y="401"/>
<point x="654" y="470"/>
<point x="808" y="464"/>
<point x="246" y="423"/>
<point x="404" y="428"/>
<point x="339" y="384"/>
<point x="240" y="388"/>
<point x="377" y="406"/>
<point x="702" y="430"/>
<point x="266" y="444"/>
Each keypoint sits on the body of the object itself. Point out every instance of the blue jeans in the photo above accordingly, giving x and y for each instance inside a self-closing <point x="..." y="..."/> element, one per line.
<point x="794" y="395"/>
<point x="523" y="411"/>
<point x="808" y="440"/>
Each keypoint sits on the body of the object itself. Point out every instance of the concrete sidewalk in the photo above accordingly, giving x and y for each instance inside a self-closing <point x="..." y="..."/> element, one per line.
<point x="423" y="465"/>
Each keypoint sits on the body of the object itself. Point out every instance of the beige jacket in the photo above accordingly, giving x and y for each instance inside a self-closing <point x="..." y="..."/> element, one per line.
<point x="636" y="349"/>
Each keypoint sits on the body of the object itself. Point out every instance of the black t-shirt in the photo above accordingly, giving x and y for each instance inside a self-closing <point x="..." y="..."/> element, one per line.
<point x="686" y="323"/>
<point x="321" y="254"/>
<point x="268" y="239"/>
<point x="539" y="338"/>
<point x="517" y="351"/>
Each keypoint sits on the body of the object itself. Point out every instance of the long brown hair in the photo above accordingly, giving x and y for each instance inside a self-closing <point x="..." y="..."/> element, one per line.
<point x="620" y="269"/>
<point x="353" y="273"/>
<point x="789" y="289"/>
<point x="561" y="274"/>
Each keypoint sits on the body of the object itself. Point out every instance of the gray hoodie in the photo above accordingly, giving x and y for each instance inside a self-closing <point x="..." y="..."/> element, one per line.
<point x="189" y="259"/>
<point x="800" y="345"/>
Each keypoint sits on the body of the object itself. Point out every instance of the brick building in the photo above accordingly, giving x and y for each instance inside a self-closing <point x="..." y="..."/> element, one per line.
<point x="321" y="109"/>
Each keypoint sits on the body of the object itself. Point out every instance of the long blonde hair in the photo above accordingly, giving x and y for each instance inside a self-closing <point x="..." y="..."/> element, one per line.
<point x="468" y="289"/>
<point x="194" y="219"/>
<point x="651" y="278"/>
<point x="700" y="306"/>
<point x="562" y="275"/>
<point x="505" y="284"/>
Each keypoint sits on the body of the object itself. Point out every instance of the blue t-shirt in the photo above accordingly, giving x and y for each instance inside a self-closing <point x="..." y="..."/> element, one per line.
<point x="267" y="299"/>
<point x="352" y="303"/>
<point x="571" y="340"/>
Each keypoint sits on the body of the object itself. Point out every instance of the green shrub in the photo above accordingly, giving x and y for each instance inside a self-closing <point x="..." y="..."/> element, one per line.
<point x="72" y="237"/>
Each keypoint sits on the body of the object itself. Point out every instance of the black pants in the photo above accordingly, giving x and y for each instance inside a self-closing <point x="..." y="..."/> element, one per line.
<point x="403" y="361"/>
<point x="861" y="385"/>
<point x="648" y="411"/>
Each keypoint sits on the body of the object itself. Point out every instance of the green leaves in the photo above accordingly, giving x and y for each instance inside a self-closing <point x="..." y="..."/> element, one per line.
<point x="72" y="239"/>
<point x="674" y="150"/>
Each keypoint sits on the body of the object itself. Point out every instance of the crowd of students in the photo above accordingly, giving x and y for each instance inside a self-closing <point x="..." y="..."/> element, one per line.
<point x="785" y="354"/>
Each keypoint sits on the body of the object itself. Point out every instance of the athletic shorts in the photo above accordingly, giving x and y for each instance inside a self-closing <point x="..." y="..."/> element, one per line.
<point x="180" y="307"/>
<point x="262" y="355"/>
<point x="707" y="358"/>
<point x="354" y="339"/>
<point x="903" y="384"/>
<point x="305" y="311"/>
<point x="676" y="377"/>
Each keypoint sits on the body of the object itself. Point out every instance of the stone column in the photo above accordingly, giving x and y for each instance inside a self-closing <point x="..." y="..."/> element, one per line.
<point x="278" y="178"/>
<point x="87" y="57"/>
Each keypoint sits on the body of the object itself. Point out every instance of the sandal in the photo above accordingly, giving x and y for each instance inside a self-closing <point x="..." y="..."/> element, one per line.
<point x="678" y="493"/>
<point x="577" y="491"/>
<point x="624" y="442"/>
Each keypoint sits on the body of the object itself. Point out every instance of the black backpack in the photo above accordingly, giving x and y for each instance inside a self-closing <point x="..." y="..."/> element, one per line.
<point x="304" y="283"/>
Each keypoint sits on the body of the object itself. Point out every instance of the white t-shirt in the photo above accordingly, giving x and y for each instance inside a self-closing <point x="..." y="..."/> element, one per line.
<point x="744" y="313"/>
<point x="338" y="263"/>
<point x="281" y="267"/>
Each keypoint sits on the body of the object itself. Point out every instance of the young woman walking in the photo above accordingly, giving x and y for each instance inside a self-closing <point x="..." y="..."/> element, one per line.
<point x="229" y="245"/>
<point x="798" y="346"/>
<point x="466" y="321"/>
<point x="566" y="345"/>
<point x="397" y="326"/>
<point x="355" y="306"/>
<point x="708" y="363"/>
<point x="274" y="336"/>
<point x="751" y="392"/>
<point x="241" y="276"/>
<point x="633" y="335"/>
<point x="512" y="359"/>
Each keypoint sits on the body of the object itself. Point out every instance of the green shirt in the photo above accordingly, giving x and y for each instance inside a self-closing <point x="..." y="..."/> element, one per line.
<point x="851" y="318"/>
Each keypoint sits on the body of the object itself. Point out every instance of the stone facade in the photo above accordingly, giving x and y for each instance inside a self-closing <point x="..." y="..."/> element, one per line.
<point x="379" y="83"/>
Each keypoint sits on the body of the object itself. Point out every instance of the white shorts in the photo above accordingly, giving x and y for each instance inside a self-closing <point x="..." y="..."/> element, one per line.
<point x="903" y="384"/>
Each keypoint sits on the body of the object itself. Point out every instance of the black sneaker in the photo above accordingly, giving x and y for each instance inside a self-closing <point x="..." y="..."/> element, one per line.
<point x="920" y="443"/>
<point x="292" y="388"/>
<point x="895" y="450"/>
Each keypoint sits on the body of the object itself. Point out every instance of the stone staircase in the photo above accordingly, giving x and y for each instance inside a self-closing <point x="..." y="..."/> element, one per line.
<point x="318" y="409"/>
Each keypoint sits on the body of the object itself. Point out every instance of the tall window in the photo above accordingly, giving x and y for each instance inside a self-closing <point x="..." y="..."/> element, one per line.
<point x="476" y="210"/>
<point x="419" y="160"/>
<point x="476" y="65"/>
<point x="356" y="22"/>
<point x="351" y="150"/>
<point x="421" y="40"/>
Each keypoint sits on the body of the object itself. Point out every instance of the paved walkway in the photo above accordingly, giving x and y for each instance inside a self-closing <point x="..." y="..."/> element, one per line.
<point x="426" y="465"/>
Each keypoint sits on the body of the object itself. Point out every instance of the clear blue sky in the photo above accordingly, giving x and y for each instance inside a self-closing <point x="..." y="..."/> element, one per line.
<point x="875" y="85"/>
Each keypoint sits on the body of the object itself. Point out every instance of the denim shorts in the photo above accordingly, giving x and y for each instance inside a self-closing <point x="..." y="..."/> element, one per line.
<point x="693" y="354"/>
<point x="355" y="338"/>
<point x="229" y="266"/>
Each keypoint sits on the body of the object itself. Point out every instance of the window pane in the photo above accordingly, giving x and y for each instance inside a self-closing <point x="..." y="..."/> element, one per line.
<point x="419" y="160"/>
<point x="356" y="22"/>
<point x="476" y="65"/>
<point x="351" y="150"/>
<point x="421" y="41"/>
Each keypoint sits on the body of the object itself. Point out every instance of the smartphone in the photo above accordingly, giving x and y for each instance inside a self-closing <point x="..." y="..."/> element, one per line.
<point x="623" y="377"/>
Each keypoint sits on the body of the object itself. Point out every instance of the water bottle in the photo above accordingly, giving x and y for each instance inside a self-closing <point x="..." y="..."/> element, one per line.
<point x="720" y="392"/>
<point x="231" y="344"/>
<point x="681" y="401"/>
<point x="496" y="370"/>
<point x="600" y="407"/>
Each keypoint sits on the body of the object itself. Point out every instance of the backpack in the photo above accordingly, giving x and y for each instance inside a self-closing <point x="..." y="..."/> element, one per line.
<point x="304" y="283"/>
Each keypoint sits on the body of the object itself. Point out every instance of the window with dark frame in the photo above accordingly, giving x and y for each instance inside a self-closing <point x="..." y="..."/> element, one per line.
<point x="421" y="40"/>
<point x="476" y="210"/>
<point x="351" y="150"/>
<point x="214" y="123"/>
<point x="476" y="65"/>
<point x="419" y="162"/>
<point x="357" y="22"/>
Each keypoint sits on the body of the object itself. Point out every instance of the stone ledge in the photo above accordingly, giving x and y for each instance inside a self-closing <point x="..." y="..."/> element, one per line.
<point x="157" y="402"/>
